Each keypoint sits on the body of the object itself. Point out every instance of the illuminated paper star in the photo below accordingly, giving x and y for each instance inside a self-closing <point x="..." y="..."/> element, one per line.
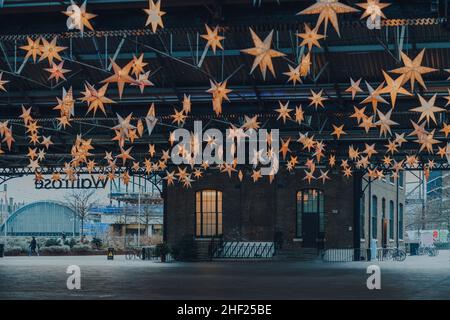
<point x="385" y="122"/>
<point x="285" y="147"/>
<point x="358" y="114"/>
<point x="33" y="48"/>
<point x="354" y="88"/>
<point x="256" y="175"/>
<point x="121" y="76"/>
<point x="138" y="65"/>
<point x="448" y="97"/>
<point x="419" y="130"/>
<point x="78" y="17"/>
<point x="213" y="38"/>
<point x="309" y="176"/>
<point x="187" y="105"/>
<point x="142" y="81"/>
<point x="370" y="150"/>
<point x="324" y="176"/>
<point x="179" y="117"/>
<point x="427" y="109"/>
<point x="317" y="99"/>
<point x="150" y="119"/>
<point x="427" y="141"/>
<point x="373" y="9"/>
<point x="374" y="96"/>
<point x="125" y="155"/>
<point x="219" y="92"/>
<point x="347" y="172"/>
<point x="310" y="37"/>
<point x="263" y="53"/>
<point x="26" y="115"/>
<point x="251" y="123"/>
<point x="328" y="11"/>
<point x="283" y="111"/>
<point x="34" y="165"/>
<point x="57" y="71"/>
<point x="154" y="15"/>
<point x="445" y="129"/>
<point x="96" y="99"/>
<point x="413" y="70"/>
<point x="294" y="74"/>
<point x="338" y="131"/>
<point x="400" y="139"/>
<point x="299" y="114"/>
<point x="50" y="51"/>
<point x="305" y="64"/>
<point x="2" y="82"/>
<point x="394" y="87"/>
<point x="124" y="124"/>
<point x="170" y="177"/>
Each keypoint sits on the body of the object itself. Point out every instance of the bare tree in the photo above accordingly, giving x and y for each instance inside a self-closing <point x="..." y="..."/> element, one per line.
<point x="81" y="201"/>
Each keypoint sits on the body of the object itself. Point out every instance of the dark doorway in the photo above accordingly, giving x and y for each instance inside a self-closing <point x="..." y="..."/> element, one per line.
<point x="310" y="230"/>
<point x="310" y="217"/>
<point x="384" y="234"/>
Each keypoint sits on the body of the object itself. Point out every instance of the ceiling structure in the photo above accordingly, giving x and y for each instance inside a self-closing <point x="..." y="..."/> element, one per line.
<point x="179" y="65"/>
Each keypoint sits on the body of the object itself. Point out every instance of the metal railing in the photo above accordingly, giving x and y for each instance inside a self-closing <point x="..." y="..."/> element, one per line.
<point x="361" y="254"/>
<point x="242" y="250"/>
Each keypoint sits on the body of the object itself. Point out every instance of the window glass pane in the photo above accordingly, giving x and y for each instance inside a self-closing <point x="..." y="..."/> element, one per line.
<point x="208" y="213"/>
<point x="400" y="221"/>
<point x="374" y="217"/>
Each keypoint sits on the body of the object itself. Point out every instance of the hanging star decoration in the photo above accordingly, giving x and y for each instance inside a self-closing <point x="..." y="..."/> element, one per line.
<point x="78" y="18"/>
<point x="213" y="38"/>
<point x="354" y="88"/>
<point x="427" y="109"/>
<point x="219" y="93"/>
<point x="2" y="82"/>
<point x="310" y="37"/>
<point x="96" y="99"/>
<point x="33" y="48"/>
<point x="317" y="99"/>
<point x="328" y="11"/>
<point x="373" y="9"/>
<point x="121" y="76"/>
<point x="154" y="15"/>
<point x="413" y="70"/>
<point x="263" y="53"/>
<point x="57" y="71"/>
<point x="50" y="50"/>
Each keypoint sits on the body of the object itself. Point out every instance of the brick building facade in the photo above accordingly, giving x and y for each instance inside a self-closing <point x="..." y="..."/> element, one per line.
<point x="305" y="215"/>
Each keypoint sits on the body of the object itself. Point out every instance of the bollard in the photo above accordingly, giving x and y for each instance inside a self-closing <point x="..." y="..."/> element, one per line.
<point x="110" y="254"/>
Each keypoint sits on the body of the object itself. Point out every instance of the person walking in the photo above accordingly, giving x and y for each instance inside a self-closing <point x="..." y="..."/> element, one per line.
<point x="33" y="247"/>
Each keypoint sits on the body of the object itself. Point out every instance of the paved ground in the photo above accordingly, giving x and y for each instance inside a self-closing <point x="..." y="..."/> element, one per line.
<point x="45" y="278"/>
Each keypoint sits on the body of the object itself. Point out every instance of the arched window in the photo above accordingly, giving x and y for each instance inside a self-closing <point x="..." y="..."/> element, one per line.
<point x="310" y="202"/>
<point x="391" y="219"/>
<point x="374" y="217"/>
<point x="208" y="213"/>
<point x="400" y="221"/>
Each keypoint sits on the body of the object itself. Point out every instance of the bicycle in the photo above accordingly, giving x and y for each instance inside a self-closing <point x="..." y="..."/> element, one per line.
<point x="133" y="253"/>
<point x="397" y="254"/>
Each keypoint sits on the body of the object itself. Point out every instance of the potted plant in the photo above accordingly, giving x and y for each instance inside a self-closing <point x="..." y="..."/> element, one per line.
<point x="162" y="250"/>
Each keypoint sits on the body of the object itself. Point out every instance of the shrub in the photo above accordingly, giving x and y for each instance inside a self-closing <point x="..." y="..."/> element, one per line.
<point x="55" y="250"/>
<point x="97" y="243"/>
<point x="81" y="249"/>
<point x="184" y="249"/>
<point x="14" y="251"/>
<point x="52" y="242"/>
<point x="72" y="242"/>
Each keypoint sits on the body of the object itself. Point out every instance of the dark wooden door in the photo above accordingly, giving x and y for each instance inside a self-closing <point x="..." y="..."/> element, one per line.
<point x="384" y="235"/>
<point x="310" y="229"/>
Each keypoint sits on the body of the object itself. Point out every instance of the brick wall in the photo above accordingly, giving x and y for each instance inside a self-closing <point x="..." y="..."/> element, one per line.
<point x="255" y="211"/>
